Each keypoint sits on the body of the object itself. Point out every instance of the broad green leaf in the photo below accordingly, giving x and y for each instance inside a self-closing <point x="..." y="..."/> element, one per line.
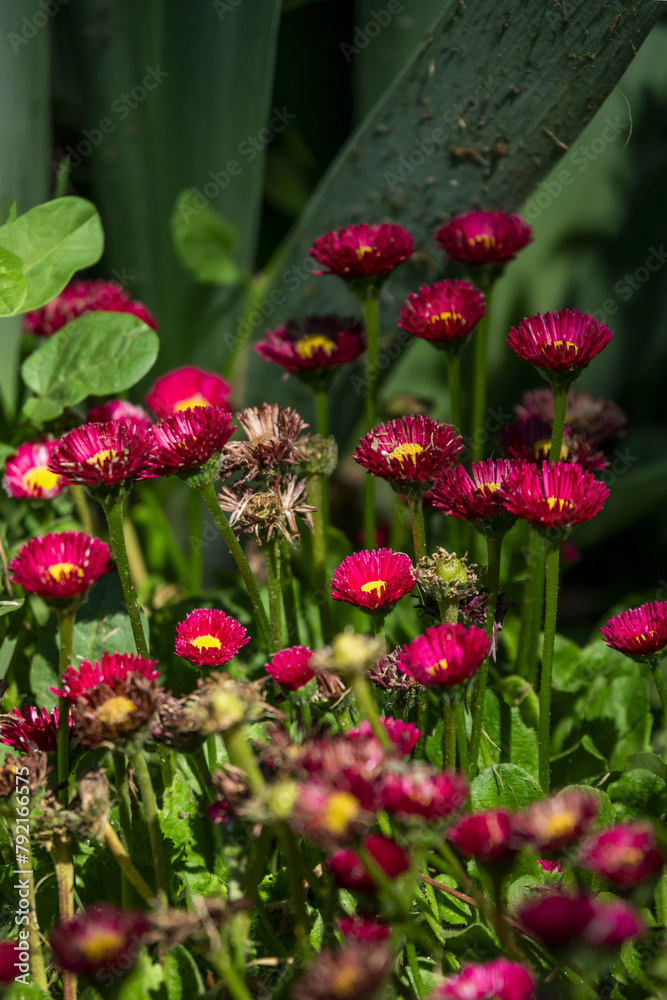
<point x="476" y="939"/>
<point x="504" y="785"/>
<point x="205" y="242"/>
<point x="191" y="836"/>
<point x="13" y="285"/>
<point x="53" y="241"/>
<point x="6" y="607"/>
<point x="98" y="354"/>
<point x="579" y="763"/>
<point x="181" y="975"/>
<point x="102" y="624"/>
<point x="638" y="793"/>
<point x="27" y="991"/>
<point x="452" y="909"/>
<point x="144" y="982"/>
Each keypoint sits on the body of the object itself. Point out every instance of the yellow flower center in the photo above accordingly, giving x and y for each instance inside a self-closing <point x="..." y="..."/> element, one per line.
<point x="488" y="487"/>
<point x="561" y="824"/>
<point x="542" y="449"/>
<point x="446" y="317"/>
<point x="40" y="478"/>
<point x="341" y="809"/>
<point x="206" y="642"/>
<point x="630" y="856"/>
<point x="568" y="344"/>
<point x="306" y="346"/>
<point x="645" y="636"/>
<point x="346" y="983"/>
<point x="101" y="457"/>
<point x="63" y="571"/>
<point x="103" y="945"/>
<point x="374" y="585"/>
<point x="190" y="402"/>
<point x="486" y="241"/>
<point x="405" y="451"/>
<point x="362" y="251"/>
<point x="559" y="504"/>
<point x="437" y="667"/>
<point x="117" y="713"/>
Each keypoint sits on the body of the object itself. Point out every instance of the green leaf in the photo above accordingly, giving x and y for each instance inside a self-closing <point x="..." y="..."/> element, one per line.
<point x="476" y="939"/>
<point x="504" y="785"/>
<point x="19" y="991"/>
<point x="181" y="975"/>
<point x="13" y="286"/>
<point x="144" y="981"/>
<point x="6" y="607"/>
<point x="191" y="836"/>
<point x="102" y="624"/>
<point x="453" y="910"/>
<point x="638" y="793"/>
<point x="578" y="763"/>
<point x="98" y="354"/>
<point x="53" y="241"/>
<point x="205" y="242"/>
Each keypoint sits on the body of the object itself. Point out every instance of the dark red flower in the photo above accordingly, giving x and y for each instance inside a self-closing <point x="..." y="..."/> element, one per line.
<point x="496" y="980"/>
<point x="625" y="855"/>
<point x="352" y="765"/>
<point x="410" y="450"/>
<point x="10" y="961"/>
<point x="119" y="411"/>
<point x="404" y="735"/>
<point x="640" y="632"/>
<point x="373" y="579"/>
<point x="330" y="817"/>
<point x="79" y="298"/>
<point x="291" y="667"/>
<point x="60" y="565"/>
<point x="558" y="918"/>
<point x="27" y="473"/>
<point x="101" y="939"/>
<point x="446" y="655"/>
<point x="550" y="866"/>
<point x="529" y="438"/>
<point x="556" y="496"/>
<point x="363" y="251"/>
<point x="348" y="870"/>
<point x="189" y="439"/>
<point x="35" y="729"/>
<point x="315" y="344"/>
<point x="556" y="822"/>
<point x="485" y="835"/>
<point x="597" y="419"/>
<point x="87" y="676"/>
<point x="102" y="454"/>
<point x="564" y="341"/>
<point x="424" y="792"/>
<point x="444" y="313"/>
<point x="484" y="237"/>
<point x="209" y="638"/>
<point x="186" y="388"/>
<point x="612" y="924"/>
<point x="364" y="929"/>
<point x="477" y="498"/>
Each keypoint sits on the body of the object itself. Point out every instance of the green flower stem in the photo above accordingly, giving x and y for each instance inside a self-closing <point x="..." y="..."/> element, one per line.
<point x="203" y="770"/>
<point x="272" y="559"/>
<point x="114" y="515"/>
<point x="560" y="411"/>
<point x="662" y="691"/>
<point x="63" y="860"/>
<point x="363" y="695"/>
<point x="290" y="850"/>
<point x="422" y="723"/>
<point x="449" y="738"/>
<point x="552" y="551"/>
<point x="129" y="872"/>
<point x="462" y="738"/>
<point x="531" y="616"/>
<point x="66" y="627"/>
<point x="36" y="956"/>
<point x="241" y="755"/>
<point x="453" y="359"/>
<point x="78" y="495"/>
<point x="418" y="529"/>
<point x="494" y="547"/>
<point x="378" y="624"/>
<point x="316" y="489"/>
<point x="225" y="529"/>
<point x="235" y="985"/>
<point x="306" y="717"/>
<point x="411" y="953"/>
<point x="661" y="899"/>
<point x="125" y="816"/>
<point x="195" y="540"/>
<point x="140" y="766"/>
<point x="481" y="337"/>
<point x="287" y="588"/>
<point x="372" y="319"/>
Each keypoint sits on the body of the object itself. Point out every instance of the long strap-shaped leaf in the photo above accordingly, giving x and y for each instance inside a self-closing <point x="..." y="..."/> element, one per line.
<point x="487" y="106"/>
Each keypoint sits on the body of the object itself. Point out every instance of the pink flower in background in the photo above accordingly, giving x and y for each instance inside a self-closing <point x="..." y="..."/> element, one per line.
<point x="479" y="238"/>
<point x="27" y="473"/>
<point x="185" y="388"/>
<point x="79" y="298"/>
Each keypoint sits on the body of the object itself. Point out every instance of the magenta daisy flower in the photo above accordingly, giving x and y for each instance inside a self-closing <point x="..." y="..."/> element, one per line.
<point x="640" y="633"/>
<point x="624" y="855"/>
<point x="348" y="871"/>
<point x="82" y="297"/>
<point x="102" y="455"/>
<point x="557" y="822"/>
<point x="558" y="918"/>
<point x="99" y="941"/>
<point x="61" y="565"/>
<point x="529" y="438"/>
<point x="496" y="980"/>
<point x="189" y="439"/>
<point x="373" y="579"/>
<point x="404" y="735"/>
<point x="613" y="924"/>
<point x="119" y="411"/>
<point x="34" y="729"/>
<point x="563" y="342"/>
<point x="556" y="497"/>
<point x="209" y="637"/>
<point x="291" y="667"/>
<point x="27" y="473"/>
<point x="598" y="419"/>
<point x="315" y="346"/>
<point x="444" y="313"/>
<point x="445" y="656"/>
<point x="424" y="792"/>
<point x="330" y="817"/>
<point x="364" y="929"/>
<point x="185" y="388"/>
<point x="410" y="451"/>
<point x="112" y="666"/>
<point x="363" y="251"/>
<point x="477" y="498"/>
<point x="486" y="836"/>
<point x="479" y="238"/>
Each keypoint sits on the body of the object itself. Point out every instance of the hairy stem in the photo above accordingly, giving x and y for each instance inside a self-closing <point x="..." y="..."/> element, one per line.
<point x="63" y="861"/>
<point x="560" y="410"/>
<point x="114" y="515"/>
<point x="272" y="559"/>
<point x="418" y="529"/>
<point x="66" y="628"/>
<point x="550" y="612"/>
<point x="125" y="816"/>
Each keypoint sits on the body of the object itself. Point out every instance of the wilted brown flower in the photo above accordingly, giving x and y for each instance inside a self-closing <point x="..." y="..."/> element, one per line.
<point x="358" y="970"/>
<point x="387" y="676"/>
<point x="274" y="441"/>
<point x="275" y="509"/>
<point x="169" y="927"/>
<point x="107" y="715"/>
<point x="84" y="817"/>
<point x="31" y="780"/>
<point x="319" y="456"/>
